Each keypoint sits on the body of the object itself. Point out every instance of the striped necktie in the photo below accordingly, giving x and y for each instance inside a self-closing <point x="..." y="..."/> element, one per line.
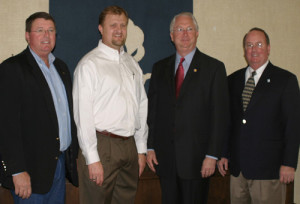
<point x="248" y="90"/>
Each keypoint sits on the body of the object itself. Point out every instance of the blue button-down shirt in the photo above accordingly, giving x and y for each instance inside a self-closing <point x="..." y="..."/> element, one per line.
<point x="186" y="63"/>
<point x="59" y="97"/>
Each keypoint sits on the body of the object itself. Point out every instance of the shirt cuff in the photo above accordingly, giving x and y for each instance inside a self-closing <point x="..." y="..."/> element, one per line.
<point x="17" y="173"/>
<point x="91" y="157"/>
<point x="212" y="157"/>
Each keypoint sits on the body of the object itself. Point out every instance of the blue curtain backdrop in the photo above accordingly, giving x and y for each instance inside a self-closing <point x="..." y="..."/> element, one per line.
<point x="77" y="26"/>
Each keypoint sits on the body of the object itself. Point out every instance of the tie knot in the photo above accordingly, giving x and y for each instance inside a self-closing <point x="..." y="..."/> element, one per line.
<point x="181" y="60"/>
<point x="253" y="73"/>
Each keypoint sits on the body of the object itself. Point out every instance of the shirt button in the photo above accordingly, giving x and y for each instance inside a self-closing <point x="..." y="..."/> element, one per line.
<point x="244" y="121"/>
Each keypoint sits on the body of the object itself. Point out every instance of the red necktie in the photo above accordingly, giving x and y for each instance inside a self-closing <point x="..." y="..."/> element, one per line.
<point x="179" y="77"/>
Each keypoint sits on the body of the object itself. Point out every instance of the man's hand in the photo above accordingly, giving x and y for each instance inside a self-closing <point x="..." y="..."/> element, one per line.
<point x="208" y="167"/>
<point x="287" y="174"/>
<point x="151" y="160"/>
<point x="142" y="163"/>
<point x="223" y="166"/>
<point x="22" y="185"/>
<point x="96" y="172"/>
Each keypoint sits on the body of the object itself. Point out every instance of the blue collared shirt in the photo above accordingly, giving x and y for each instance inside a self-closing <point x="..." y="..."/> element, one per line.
<point x="59" y="97"/>
<point x="186" y="63"/>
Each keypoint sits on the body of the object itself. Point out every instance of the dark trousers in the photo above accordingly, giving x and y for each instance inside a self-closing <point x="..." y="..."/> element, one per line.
<point x="184" y="191"/>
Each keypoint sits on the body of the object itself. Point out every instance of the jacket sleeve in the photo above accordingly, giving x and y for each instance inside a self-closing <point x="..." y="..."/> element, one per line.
<point x="11" y="148"/>
<point x="291" y="116"/>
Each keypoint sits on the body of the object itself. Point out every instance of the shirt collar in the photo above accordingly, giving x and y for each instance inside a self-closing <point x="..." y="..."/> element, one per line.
<point x="259" y="71"/>
<point x="39" y="60"/>
<point x="188" y="58"/>
<point x="110" y="52"/>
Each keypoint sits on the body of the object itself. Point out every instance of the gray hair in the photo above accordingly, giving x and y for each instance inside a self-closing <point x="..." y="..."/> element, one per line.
<point x="189" y="14"/>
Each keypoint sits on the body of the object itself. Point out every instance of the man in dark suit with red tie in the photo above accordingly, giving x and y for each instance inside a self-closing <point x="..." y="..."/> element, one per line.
<point x="263" y="143"/>
<point x="188" y="116"/>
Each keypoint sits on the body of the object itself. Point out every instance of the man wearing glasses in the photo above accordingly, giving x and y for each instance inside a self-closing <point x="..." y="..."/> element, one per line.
<point x="263" y="143"/>
<point x="38" y="141"/>
<point x="188" y="115"/>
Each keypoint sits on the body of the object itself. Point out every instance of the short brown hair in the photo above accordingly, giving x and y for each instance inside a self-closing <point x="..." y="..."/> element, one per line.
<point x="35" y="16"/>
<point x="111" y="10"/>
<point x="257" y="29"/>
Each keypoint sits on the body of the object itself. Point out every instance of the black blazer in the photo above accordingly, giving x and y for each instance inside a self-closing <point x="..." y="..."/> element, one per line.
<point x="29" y="138"/>
<point x="184" y="130"/>
<point x="266" y="135"/>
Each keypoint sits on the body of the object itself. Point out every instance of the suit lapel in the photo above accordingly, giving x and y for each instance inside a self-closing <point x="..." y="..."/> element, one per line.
<point x="194" y="68"/>
<point x="64" y="77"/>
<point x="261" y="86"/>
<point x="169" y="72"/>
<point x="42" y="83"/>
<point x="239" y="86"/>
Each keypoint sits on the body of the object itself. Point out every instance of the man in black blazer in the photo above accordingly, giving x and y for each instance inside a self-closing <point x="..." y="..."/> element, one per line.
<point x="38" y="141"/>
<point x="263" y="144"/>
<point x="186" y="131"/>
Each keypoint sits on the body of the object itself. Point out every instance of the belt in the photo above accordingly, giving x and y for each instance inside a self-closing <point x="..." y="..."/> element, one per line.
<point x="109" y="134"/>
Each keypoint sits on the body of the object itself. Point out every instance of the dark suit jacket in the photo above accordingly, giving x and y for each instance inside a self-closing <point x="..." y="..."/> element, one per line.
<point x="29" y="138"/>
<point x="1" y="171"/>
<point x="184" y="130"/>
<point x="269" y="135"/>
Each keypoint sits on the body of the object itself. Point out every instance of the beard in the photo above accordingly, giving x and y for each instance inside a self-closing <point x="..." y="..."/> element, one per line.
<point x="119" y="43"/>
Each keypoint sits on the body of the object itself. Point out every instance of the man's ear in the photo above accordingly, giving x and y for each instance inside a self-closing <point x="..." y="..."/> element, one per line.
<point x="27" y="37"/>
<point x="100" y="28"/>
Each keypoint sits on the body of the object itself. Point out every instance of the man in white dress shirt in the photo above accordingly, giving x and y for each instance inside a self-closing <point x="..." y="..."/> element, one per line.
<point x="110" y="110"/>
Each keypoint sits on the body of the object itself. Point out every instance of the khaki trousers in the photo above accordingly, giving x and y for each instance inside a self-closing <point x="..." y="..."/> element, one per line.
<point x="120" y="164"/>
<point x="245" y="191"/>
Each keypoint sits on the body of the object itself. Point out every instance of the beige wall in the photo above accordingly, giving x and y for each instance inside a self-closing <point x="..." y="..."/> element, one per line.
<point x="12" y="24"/>
<point x="222" y="23"/>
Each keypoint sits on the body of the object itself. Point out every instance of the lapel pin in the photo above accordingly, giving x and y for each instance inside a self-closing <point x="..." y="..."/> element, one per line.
<point x="195" y="70"/>
<point x="268" y="80"/>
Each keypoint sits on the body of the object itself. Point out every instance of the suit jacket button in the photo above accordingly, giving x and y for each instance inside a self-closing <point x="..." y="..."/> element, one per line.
<point x="56" y="158"/>
<point x="57" y="138"/>
<point x="244" y="121"/>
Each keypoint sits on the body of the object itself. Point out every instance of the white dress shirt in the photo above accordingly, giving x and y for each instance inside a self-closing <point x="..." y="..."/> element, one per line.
<point x="259" y="72"/>
<point x="109" y="94"/>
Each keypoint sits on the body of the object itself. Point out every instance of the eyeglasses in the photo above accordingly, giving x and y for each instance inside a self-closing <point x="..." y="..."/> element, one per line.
<point x="181" y="30"/>
<point x="41" y="31"/>
<point x="251" y="45"/>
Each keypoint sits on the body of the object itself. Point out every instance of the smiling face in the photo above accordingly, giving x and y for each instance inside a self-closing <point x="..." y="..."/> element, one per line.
<point x="114" y="30"/>
<point x="185" y="41"/>
<point x="43" y="42"/>
<point x="258" y="53"/>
